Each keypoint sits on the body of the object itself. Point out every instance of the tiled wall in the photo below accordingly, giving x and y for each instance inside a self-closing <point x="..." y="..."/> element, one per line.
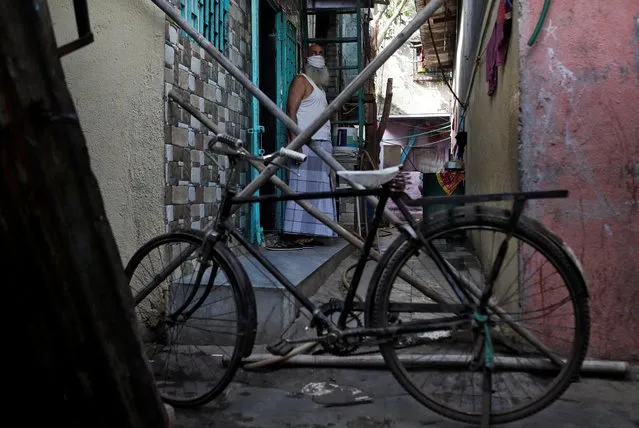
<point x="193" y="182"/>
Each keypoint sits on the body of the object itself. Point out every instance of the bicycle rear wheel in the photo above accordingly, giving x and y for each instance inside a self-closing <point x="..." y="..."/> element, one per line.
<point x="538" y="288"/>
<point x="196" y="317"/>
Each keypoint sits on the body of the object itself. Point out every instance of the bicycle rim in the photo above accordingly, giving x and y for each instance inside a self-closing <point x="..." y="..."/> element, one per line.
<point x="537" y="286"/>
<point x="191" y="322"/>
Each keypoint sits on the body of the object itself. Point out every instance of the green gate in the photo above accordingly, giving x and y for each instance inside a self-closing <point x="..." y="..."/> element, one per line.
<point x="287" y="67"/>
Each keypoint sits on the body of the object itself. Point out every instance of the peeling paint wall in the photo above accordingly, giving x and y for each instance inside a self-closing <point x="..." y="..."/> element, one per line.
<point x="580" y="131"/>
<point x="117" y="85"/>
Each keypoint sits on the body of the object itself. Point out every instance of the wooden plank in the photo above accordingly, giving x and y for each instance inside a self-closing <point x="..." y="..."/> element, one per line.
<point x="385" y="111"/>
<point x="435" y="64"/>
<point x="440" y="19"/>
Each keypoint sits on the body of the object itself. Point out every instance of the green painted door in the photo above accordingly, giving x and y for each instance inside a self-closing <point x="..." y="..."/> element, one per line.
<point x="287" y="67"/>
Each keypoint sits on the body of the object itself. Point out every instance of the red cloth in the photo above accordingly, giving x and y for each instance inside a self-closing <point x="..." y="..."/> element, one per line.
<point x="450" y="180"/>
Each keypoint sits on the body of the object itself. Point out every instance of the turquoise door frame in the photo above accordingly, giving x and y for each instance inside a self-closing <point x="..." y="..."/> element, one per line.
<point x="255" y="227"/>
<point x="286" y="69"/>
<point x="287" y="66"/>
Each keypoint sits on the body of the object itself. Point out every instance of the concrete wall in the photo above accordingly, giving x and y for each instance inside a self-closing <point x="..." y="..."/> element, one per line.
<point x="492" y="121"/>
<point x="492" y="152"/>
<point x="409" y="96"/>
<point x="580" y="131"/>
<point x="116" y="84"/>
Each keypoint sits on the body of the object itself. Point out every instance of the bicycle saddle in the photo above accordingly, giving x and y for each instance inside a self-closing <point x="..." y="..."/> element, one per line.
<point x="370" y="179"/>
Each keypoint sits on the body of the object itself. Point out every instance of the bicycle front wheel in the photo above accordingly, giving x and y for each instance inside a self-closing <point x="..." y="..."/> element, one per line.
<point x="538" y="293"/>
<point x="196" y="317"/>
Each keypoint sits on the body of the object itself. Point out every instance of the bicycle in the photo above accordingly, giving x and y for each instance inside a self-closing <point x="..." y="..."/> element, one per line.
<point x="200" y="304"/>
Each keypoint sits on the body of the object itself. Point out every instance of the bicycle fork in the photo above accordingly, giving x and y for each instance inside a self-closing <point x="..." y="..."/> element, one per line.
<point x="483" y="352"/>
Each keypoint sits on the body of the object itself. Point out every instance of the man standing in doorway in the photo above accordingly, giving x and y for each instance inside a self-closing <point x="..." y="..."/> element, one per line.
<point x="306" y="101"/>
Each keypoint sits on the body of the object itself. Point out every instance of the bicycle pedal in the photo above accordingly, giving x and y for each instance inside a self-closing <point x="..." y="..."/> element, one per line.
<point x="280" y="348"/>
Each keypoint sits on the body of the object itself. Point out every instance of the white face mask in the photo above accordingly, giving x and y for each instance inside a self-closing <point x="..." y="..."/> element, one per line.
<point x="316" y="61"/>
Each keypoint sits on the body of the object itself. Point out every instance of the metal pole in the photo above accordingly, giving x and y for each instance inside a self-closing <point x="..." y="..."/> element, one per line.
<point x="344" y="96"/>
<point x="481" y="41"/>
<point x="432" y="362"/>
<point x="256" y="136"/>
<point x="174" y="14"/>
<point x="312" y="209"/>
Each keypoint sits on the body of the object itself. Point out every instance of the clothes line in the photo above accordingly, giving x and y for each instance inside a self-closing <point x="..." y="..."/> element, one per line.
<point x="432" y="131"/>
<point x="416" y="146"/>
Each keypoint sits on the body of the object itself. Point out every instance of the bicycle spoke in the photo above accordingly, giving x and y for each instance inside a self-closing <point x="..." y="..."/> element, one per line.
<point x="193" y="308"/>
<point x="530" y="323"/>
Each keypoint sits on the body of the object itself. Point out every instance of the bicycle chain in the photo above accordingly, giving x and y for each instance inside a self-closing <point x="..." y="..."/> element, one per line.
<point x="335" y="306"/>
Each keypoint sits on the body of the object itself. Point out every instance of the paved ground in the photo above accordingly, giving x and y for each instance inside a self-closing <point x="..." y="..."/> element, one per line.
<point x="275" y="398"/>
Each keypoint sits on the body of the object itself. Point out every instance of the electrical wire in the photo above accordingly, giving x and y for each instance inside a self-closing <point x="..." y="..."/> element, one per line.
<point x="370" y="160"/>
<point x="462" y="120"/>
<point x="410" y="161"/>
<point x="429" y="144"/>
<point x="434" y="131"/>
<point x="432" y="39"/>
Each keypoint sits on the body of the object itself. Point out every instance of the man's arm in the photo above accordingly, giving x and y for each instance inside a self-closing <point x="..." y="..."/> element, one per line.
<point x="295" y="96"/>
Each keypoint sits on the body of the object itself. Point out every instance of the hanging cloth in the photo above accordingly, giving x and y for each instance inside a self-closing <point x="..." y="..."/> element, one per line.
<point x="497" y="49"/>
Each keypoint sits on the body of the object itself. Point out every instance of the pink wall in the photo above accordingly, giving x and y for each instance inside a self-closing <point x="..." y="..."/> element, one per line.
<point x="580" y="131"/>
<point x="425" y="153"/>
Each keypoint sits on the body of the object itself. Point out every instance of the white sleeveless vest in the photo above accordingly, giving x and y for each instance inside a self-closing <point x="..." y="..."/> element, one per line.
<point x="310" y="108"/>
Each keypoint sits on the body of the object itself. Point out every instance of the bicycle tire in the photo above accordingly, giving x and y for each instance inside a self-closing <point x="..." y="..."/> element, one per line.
<point x="202" y="323"/>
<point x="533" y="234"/>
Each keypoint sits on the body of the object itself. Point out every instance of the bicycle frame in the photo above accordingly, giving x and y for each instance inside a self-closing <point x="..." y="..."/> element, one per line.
<point x="224" y="228"/>
<point x="384" y="193"/>
<point x="267" y="172"/>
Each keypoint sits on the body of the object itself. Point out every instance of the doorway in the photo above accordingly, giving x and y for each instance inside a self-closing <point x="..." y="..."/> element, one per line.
<point x="268" y="85"/>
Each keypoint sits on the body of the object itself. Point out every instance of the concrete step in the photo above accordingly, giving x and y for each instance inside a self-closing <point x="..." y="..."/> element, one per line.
<point x="306" y="269"/>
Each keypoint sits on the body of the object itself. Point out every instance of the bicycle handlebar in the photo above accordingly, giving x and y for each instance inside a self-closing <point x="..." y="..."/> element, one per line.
<point x="228" y="140"/>
<point x="292" y="154"/>
<point x="232" y="147"/>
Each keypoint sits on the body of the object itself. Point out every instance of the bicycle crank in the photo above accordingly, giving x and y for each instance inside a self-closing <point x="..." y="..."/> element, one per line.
<point x="330" y="342"/>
